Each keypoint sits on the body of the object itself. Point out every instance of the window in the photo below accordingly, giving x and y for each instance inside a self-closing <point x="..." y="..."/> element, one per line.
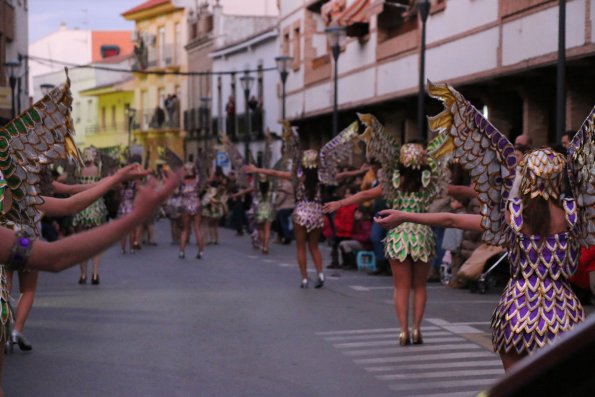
<point x="103" y="117"/>
<point x="177" y="44"/>
<point x="113" y="116"/>
<point x="395" y="21"/>
<point x="161" y="46"/>
<point x="297" y="48"/>
<point x="285" y="43"/>
<point x="90" y="111"/>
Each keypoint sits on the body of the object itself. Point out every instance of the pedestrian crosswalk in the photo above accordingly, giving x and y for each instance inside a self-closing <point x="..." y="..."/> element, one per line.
<point x="447" y="364"/>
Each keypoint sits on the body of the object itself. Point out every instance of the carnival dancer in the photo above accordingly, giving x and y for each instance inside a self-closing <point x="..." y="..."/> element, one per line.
<point x="127" y="195"/>
<point x="190" y="209"/>
<point x="409" y="181"/>
<point x="37" y="137"/>
<point x="95" y="214"/>
<point x="263" y="212"/>
<point x="523" y="210"/>
<point x="310" y="169"/>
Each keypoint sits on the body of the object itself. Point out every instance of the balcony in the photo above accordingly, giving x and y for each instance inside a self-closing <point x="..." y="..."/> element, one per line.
<point x="95" y="129"/>
<point x="156" y="120"/>
<point x="163" y="56"/>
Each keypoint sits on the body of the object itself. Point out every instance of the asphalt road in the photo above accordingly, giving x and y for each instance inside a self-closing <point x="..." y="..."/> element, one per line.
<point x="236" y="323"/>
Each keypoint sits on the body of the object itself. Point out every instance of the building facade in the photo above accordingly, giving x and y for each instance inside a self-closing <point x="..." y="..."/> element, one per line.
<point x="160" y="83"/>
<point x="86" y="113"/>
<point x="215" y="27"/>
<point x="501" y="54"/>
<point x="14" y="36"/>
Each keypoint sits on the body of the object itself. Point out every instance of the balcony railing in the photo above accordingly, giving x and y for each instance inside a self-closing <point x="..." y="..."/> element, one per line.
<point x="107" y="128"/>
<point x="156" y="119"/>
<point x="163" y="56"/>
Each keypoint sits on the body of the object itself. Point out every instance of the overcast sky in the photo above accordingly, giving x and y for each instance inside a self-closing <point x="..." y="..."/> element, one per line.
<point x="45" y="16"/>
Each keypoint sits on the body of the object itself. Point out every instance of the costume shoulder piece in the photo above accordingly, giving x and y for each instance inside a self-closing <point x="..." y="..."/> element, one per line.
<point x="581" y="170"/>
<point x="37" y="137"/>
<point x="335" y="151"/>
<point x="292" y="151"/>
<point x="482" y="150"/>
<point x="203" y="164"/>
<point x="237" y="161"/>
<point x="382" y="147"/>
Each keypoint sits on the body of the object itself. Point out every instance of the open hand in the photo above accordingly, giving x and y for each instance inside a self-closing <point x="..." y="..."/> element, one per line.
<point x="331" y="206"/>
<point x="389" y="219"/>
<point x="132" y="171"/>
<point x="150" y="195"/>
<point x="250" y="169"/>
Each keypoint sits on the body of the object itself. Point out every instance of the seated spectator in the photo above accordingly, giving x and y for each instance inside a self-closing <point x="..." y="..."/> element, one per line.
<point x="360" y="240"/>
<point x="343" y="227"/>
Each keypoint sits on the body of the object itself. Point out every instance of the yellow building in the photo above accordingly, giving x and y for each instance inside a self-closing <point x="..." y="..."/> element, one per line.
<point x="113" y="102"/>
<point x="159" y="93"/>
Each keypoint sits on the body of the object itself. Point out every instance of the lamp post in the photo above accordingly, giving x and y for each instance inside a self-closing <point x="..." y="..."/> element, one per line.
<point x="46" y="88"/>
<point x="12" y="71"/>
<point x="335" y="35"/>
<point x="561" y="73"/>
<point x="130" y="113"/>
<point x="423" y="8"/>
<point x="205" y="101"/>
<point x="283" y="63"/>
<point x="247" y="81"/>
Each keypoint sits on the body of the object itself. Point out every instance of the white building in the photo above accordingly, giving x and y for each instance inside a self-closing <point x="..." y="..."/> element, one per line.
<point x="74" y="47"/>
<point x="255" y="54"/>
<point x="85" y="108"/>
<point x="500" y="53"/>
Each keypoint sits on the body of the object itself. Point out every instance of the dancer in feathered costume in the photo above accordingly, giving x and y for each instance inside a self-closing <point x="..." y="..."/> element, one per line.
<point x="95" y="214"/>
<point x="310" y="169"/>
<point x="523" y="210"/>
<point x="40" y="136"/>
<point x="409" y="182"/>
<point x="262" y="188"/>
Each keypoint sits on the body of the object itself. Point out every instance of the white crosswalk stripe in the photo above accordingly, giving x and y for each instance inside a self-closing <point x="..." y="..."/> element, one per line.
<point x="446" y="365"/>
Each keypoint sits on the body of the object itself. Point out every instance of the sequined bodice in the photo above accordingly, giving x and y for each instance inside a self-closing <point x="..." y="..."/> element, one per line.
<point x="301" y="196"/>
<point x="188" y="189"/>
<point x="411" y="202"/>
<point x="554" y="258"/>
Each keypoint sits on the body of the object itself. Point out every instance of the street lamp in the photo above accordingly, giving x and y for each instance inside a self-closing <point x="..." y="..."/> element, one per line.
<point x="205" y="101"/>
<point x="561" y="73"/>
<point x="131" y="113"/>
<point x="46" y="88"/>
<point x="12" y="68"/>
<point x="423" y="8"/>
<point x="335" y="35"/>
<point x="247" y="82"/>
<point x="283" y="63"/>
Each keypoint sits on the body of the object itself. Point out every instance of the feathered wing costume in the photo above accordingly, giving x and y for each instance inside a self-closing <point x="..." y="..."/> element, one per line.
<point x="308" y="210"/>
<point x="537" y="304"/>
<point x="408" y="239"/>
<point x="30" y="142"/>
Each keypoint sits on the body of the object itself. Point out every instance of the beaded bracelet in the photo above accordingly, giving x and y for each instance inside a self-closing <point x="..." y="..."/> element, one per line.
<point x="20" y="252"/>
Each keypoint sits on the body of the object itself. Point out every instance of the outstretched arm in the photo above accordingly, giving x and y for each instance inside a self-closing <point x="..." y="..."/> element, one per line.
<point x="348" y="174"/>
<point x="359" y="197"/>
<point x="459" y="191"/>
<point x="251" y="169"/>
<point x="63" y="188"/>
<point x="81" y="200"/>
<point x="390" y="219"/>
<point x="67" y="252"/>
<point x="241" y="193"/>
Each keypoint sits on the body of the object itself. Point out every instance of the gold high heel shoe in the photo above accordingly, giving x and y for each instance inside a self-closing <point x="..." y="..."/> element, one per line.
<point x="404" y="339"/>
<point x="416" y="338"/>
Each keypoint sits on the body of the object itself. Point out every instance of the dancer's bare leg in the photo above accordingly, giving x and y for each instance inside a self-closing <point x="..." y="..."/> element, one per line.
<point x="402" y="275"/>
<point x="300" y="247"/>
<point x="420" y="292"/>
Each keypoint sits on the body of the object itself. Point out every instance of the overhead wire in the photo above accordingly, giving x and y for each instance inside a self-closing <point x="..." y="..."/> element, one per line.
<point x="45" y="61"/>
